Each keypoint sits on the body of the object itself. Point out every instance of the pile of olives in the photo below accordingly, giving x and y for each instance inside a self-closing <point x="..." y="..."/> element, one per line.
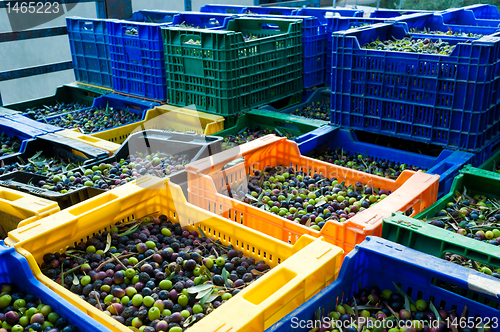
<point x="301" y="198"/>
<point x="408" y="44"/>
<point x="153" y="275"/>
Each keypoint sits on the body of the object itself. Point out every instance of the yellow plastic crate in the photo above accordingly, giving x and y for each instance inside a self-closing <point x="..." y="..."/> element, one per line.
<point x="298" y="271"/>
<point x="18" y="209"/>
<point x="76" y="135"/>
<point x="167" y="118"/>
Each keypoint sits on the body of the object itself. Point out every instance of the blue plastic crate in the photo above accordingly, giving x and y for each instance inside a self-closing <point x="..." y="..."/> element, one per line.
<point x="89" y="43"/>
<point x="137" y="53"/>
<point x="118" y="102"/>
<point x="382" y="262"/>
<point x="23" y="132"/>
<point x="487" y="12"/>
<point x="27" y="121"/>
<point x="330" y="12"/>
<point x="137" y="59"/>
<point x="392" y="13"/>
<point x="212" y="21"/>
<point x="313" y="48"/>
<point x="14" y="269"/>
<point x="153" y="16"/>
<point x="452" y="101"/>
<point x="224" y="9"/>
<point x="461" y="16"/>
<point x="340" y="24"/>
<point x="446" y="165"/>
<point x="438" y="22"/>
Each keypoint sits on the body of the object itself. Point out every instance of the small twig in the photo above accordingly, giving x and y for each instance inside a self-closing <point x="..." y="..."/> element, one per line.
<point x="98" y="302"/>
<point x="145" y="259"/>
<point x="111" y="260"/>
<point x="119" y="261"/>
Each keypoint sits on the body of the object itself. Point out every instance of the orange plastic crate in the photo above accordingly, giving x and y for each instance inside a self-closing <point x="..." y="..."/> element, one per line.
<point x="297" y="271"/>
<point x="206" y="178"/>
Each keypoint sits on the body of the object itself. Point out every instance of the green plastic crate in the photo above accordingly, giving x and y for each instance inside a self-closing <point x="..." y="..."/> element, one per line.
<point x="221" y="73"/>
<point x="285" y="123"/>
<point x="68" y="93"/>
<point x="436" y="241"/>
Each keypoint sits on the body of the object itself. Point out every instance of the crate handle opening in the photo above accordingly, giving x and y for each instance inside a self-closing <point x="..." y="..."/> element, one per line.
<point x="213" y="22"/>
<point x="270" y="26"/>
<point x="131" y="31"/>
<point x="191" y="40"/>
<point x="87" y="25"/>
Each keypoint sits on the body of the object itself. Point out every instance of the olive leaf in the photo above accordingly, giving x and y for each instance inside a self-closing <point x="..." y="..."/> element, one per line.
<point x="190" y="320"/>
<point x="108" y="243"/>
<point x="171" y="276"/>
<point x="251" y="197"/>
<point x="130" y="231"/>
<point x="434" y="310"/>
<point x="407" y="304"/>
<point x="403" y="294"/>
<point x="205" y="292"/>
<point x="242" y="131"/>
<point x="279" y="132"/>
<point x="36" y="155"/>
<point x="201" y="232"/>
<point x="199" y="288"/>
<point x="76" y="282"/>
<point x="224" y="274"/>
<point x="320" y="203"/>
<point x="257" y="272"/>
<point x="212" y="297"/>
<point x="206" y="296"/>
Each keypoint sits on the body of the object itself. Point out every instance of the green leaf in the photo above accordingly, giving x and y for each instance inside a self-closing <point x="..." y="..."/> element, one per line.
<point x="206" y="296"/>
<point x="224" y="274"/>
<point x="76" y="282"/>
<point x="279" y="132"/>
<point x="108" y="243"/>
<point x="403" y="294"/>
<point x="242" y="130"/>
<point x="130" y="231"/>
<point x="407" y="304"/>
<point x="251" y="197"/>
<point x="38" y="154"/>
<point x="199" y="288"/>
<point x="171" y="276"/>
<point x="190" y="320"/>
<point x="212" y="297"/>
<point x="204" y="292"/>
<point x="320" y="203"/>
<point x="201" y="232"/>
<point x="434" y="311"/>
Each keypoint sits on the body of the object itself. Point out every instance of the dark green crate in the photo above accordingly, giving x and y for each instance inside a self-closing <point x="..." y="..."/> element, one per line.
<point x="436" y="241"/>
<point x="68" y="93"/>
<point x="286" y="124"/>
<point x="477" y="181"/>
<point x="224" y="74"/>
